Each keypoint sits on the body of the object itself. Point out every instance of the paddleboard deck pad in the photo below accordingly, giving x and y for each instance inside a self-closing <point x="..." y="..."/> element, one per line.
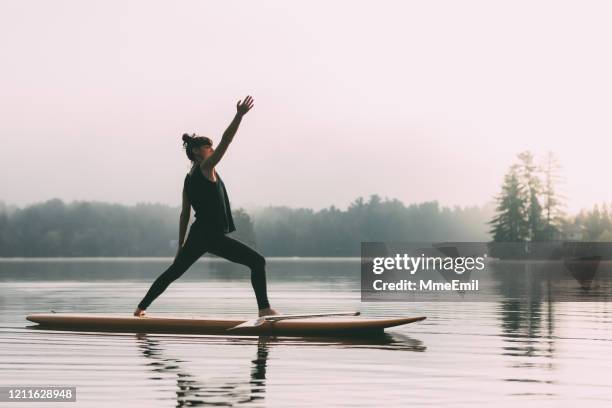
<point x="216" y="325"/>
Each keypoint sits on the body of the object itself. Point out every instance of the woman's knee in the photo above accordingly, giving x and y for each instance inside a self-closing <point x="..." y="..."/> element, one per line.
<point x="259" y="262"/>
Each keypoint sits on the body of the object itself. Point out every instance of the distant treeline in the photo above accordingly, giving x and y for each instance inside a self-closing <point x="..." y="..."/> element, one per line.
<point x="529" y="208"/>
<point x="55" y="228"/>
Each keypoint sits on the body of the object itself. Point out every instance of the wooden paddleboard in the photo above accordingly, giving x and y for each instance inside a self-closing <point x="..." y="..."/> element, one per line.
<point x="214" y="325"/>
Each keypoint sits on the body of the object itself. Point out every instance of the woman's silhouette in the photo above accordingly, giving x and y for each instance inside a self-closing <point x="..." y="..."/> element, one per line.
<point x="204" y="190"/>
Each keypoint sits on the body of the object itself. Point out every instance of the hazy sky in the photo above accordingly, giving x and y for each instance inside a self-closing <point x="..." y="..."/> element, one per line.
<point x="415" y="100"/>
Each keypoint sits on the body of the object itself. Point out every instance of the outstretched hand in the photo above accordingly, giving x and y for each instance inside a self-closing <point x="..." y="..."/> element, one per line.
<point x="244" y="106"/>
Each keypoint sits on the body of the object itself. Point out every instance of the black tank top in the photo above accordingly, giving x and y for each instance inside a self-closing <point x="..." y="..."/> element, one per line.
<point x="210" y="202"/>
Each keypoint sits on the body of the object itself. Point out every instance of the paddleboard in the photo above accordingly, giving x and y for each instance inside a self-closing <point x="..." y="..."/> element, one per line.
<point x="217" y="325"/>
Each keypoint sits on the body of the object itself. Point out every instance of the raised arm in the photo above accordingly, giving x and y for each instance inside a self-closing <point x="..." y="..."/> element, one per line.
<point x="241" y="109"/>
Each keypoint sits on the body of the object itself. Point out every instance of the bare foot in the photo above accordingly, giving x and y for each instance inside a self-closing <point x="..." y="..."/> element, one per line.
<point x="267" y="312"/>
<point x="139" y="312"/>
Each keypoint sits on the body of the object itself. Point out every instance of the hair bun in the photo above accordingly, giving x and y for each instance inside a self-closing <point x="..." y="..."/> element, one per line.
<point x="186" y="138"/>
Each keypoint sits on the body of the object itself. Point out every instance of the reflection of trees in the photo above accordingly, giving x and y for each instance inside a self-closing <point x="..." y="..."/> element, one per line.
<point x="568" y="279"/>
<point x="526" y="311"/>
<point x="528" y="326"/>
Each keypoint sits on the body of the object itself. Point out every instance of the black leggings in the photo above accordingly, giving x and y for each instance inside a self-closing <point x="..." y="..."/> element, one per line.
<point x="198" y="242"/>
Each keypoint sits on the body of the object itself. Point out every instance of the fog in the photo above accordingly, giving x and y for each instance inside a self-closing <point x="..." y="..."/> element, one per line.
<point x="413" y="100"/>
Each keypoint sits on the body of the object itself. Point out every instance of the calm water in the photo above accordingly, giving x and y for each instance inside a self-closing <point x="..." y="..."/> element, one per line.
<point x="507" y="353"/>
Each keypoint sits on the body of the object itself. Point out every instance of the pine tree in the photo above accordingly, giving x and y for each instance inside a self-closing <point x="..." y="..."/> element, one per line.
<point x="553" y="215"/>
<point x="509" y="225"/>
<point x="532" y="188"/>
<point x="594" y="223"/>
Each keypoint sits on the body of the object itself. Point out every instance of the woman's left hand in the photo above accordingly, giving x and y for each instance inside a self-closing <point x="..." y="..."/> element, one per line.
<point x="244" y="106"/>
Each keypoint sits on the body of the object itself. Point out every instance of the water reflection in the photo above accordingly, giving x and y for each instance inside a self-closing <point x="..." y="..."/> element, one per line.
<point x="523" y="349"/>
<point x="382" y="341"/>
<point x="528" y="328"/>
<point x="192" y="391"/>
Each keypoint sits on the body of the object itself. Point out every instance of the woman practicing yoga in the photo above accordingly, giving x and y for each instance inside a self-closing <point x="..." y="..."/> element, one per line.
<point x="204" y="190"/>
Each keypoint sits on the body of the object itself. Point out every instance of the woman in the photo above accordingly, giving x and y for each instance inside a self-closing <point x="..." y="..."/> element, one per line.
<point x="204" y="190"/>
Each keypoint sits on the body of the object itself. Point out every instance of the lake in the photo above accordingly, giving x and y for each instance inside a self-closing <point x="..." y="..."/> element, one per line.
<point x="505" y="353"/>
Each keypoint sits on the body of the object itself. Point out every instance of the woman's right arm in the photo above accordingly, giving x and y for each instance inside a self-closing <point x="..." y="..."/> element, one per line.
<point x="241" y="109"/>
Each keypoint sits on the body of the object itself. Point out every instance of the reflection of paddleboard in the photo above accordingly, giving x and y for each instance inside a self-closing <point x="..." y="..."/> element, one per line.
<point x="214" y="325"/>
